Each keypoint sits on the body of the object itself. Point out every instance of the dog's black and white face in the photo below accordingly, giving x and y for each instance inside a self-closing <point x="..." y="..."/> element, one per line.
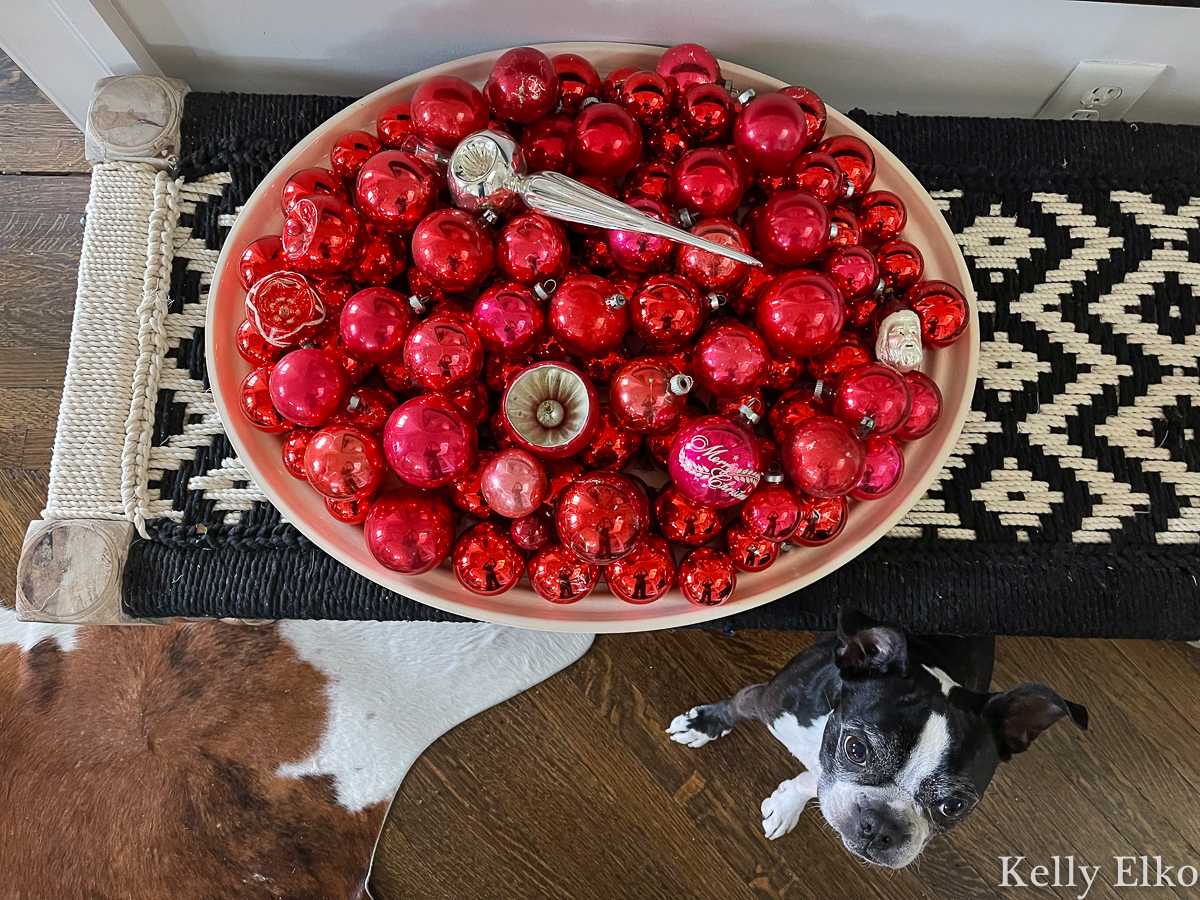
<point x="907" y="753"/>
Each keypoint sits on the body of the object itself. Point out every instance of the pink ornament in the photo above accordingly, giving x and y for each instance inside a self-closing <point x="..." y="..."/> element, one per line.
<point x="730" y="359"/>
<point x="853" y="271"/>
<point x="523" y="86"/>
<point x="883" y="469"/>
<point x="636" y="251"/>
<point x="648" y="394"/>
<point x="307" y="387"/>
<point x="823" y="457"/>
<point x="429" y="442"/>
<point x="375" y="323"/>
<point x="509" y="321"/>
<point x="770" y="132"/>
<point x="409" y="530"/>
<point x="688" y="64"/>
<point x="715" y="462"/>
<point x="792" y="229"/>
<point x="601" y="516"/>
<point x="708" y="182"/>
<point x="873" y="399"/>
<point x="926" y="407"/>
<point x="533" y="531"/>
<point x="513" y="483"/>
<point x="443" y="353"/>
<point x="800" y="313"/>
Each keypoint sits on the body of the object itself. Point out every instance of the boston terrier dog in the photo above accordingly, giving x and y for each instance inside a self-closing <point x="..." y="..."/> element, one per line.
<point x="899" y="734"/>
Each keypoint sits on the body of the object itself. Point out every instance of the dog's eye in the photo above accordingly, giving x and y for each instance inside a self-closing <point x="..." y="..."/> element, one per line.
<point x="856" y="750"/>
<point x="952" y="807"/>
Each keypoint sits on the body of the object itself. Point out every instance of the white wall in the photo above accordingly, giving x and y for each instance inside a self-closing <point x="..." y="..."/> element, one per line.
<point x="965" y="57"/>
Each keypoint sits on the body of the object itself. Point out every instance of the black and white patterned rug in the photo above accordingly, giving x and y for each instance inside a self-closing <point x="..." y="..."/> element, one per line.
<point x="1071" y="505"/>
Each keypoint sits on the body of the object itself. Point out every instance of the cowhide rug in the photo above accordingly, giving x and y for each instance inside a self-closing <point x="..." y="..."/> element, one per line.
<point x="225" y="761"/>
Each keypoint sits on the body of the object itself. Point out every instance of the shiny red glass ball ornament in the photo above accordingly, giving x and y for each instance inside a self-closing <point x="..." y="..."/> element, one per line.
<point x="579" y="80"/>
<point x="261" y="257"/>
<point x="668" y="142"/>
<point x="748" y="551"/>
<point x="793" y="229"/>
<point x="645" y="574"/>
<point x="523" y="86"/>
<point x="513" y="483"/>
<point x="486" y="561"/>
<point x="533" y="531"/>
<point x="394" y="123"/>
<point x="312" y="182"/>
<point x="610" y="89"/>
<point x="649" y="179"/>
<point x="255" y="402"/>
<point x="715" y="462"/>
<point x="772" y="511"/>
<point x="350" y="151"/>
<point x="399" y="377"/>
<point x="823" y="457"/>
<point x="294" y="446"/>
<point x="943" y="310"/>
<point x="587" y="316"/>
<point x="792" y="408"/>
<point x="689" y="64"/>
<point x="612" y="444"/>
<point x="710" y="271"/>
<point x="394" y="189"/>
<point x="843" y="226"/>
<point x="648" y="394"/>
<point x="800" y="313"/>
<point x="873" y="399"/>
<point x="409" y="530"/>
<point x="814" y="112"/>
<point x="322" y="236"/>
<point x="368" y="408"/>
<point x="730" y="359"/>
<point x="684" y="520"/>
<point x="636" y="251"/>
<point x="647" y="97"/>
<point x="821" y="520"/>
<point x="601" y="516"/>
<point x="783" y="372"/>
<point x="666" y="311"/>
<point x="770" y="132"/>
<point x="445" y="109"/>
<point x="659" y="444"/>
<point x="743" y="298"/>
<point x="853" y="271"/>
<point x="352" y="510"/>
<point x="375" y="323"/>
<point x="847" y="351"/>
<point x="429" y="442"/>
<point x="343" y="461"/>
<point x="329" y="338"/>
<point x="466" y="491"/>
<point x="605" y="140"/>
<point x="254" y="348"/>
<point x="550" y="409"/>
<point x="383" y="257"/>
<point x="545" y="145"/>
<point x="452" y="250"/>
<point x="818" y="174"/>
<point x="307" y="387"/>
<point x="862" y="314"/>
<point x="882" y="215"/>
<point x="708" y="182"/>
<point x="883" y="469"/>
<point x="532" y="249"/>
<point x="855" y="157"/>
<point x="707" y="112"/>
<point x="900" y="264"/>
<point x="509" y="321"/>
<point x="926" y="407"/>
<point x="558" y="575"/>
<point x="707" y="577"/>
<point x="443" y="353"/>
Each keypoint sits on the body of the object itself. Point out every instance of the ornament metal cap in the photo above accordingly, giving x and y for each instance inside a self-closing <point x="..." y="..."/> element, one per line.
<point x="774" y="474"/>
<point x="543" y="289"/>
<point x="681" y="384"/>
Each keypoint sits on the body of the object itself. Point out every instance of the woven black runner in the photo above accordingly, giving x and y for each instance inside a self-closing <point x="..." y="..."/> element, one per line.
<point x="1072" y="504"/>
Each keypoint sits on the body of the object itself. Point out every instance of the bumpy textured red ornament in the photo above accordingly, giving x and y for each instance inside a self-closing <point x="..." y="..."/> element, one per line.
<point x="772" y="511"/>
<point x="708" y="182"/>
<point x="329" y="338"/>
<point x="485" y="559"/>
<point x="736" y="406"/>
<point x="748" y="551"/>
<point x="926" y="407"/>
<point x="394" y="123"/>
<point x="395" y="189"/>
<point x="350" y="151"/>
<point x="647" y="97"/>
<point x="601" y="516"/>
<point x="883" y="470"/>
<point x="509" y="320"/>
<point x="452" y="250"/>
<point x="334" y="292"/>
<point x="715" y="461"/>
<point x="514" y="483"/>
<point x="550" y="409"/>
<point x="261" y="257"/>
<point x="818" y="174"/>
<point x="256" y="405"/>
<point x="587" y="315"/>
<point x="708" y="270"/>
<point x="685" y="520"/>
<point x="853" y="271"/>
<point x="533" y="531"/>
<point x="648" y="394"/>
<point x="872" y="399"/>
<point x="322" y="236"/>
<point x="523" y="86"/>
<point x="382" y="259"/>
<point x="612" y="444"/>
<point x="466" y="491"/>
<point x="429" y="442"/>
<point x="499" y="371"/>
<point x="814" y="112"/>
<point x="254" y="348"/>
<point x="307" y="387"/>
<point x="855" y="157"/>
<point x="882" y="215"/>
<point x="666" y="311"/>
<point x="793" y="229"/>
<point x="559" y="576"/>
<point x="822" y="519"/>
<point x="545" y="144"/>
<point x="352" y="510"/>
<point x="579" y="80"/>
<point x="532" y="249"/>
<point x="900" y="264"/>
<point x="770" y="132"/>
<point x="409" y="530"/>
<point x="823" y="457"/>
<point x="707" y="577"/>
<point x="783" y="372"/>
<point x="689" y="64"/>
<point x="284" y="307"/>
<point x="473" y="401"/>
<point x="792" y="408"/>
<point x="730" y="359"/>
<point x="294" y="446"/>
<point x="445" y="109"/>
<point x="645" y="574"/>
<point x="343" y="461"/>
<point x="443" y="353"/>
<point x="800" y="313"/>
<point x="374" y="323"/>
<point x="368" y="408"/>
<point x="943" y="311"/>
<point x="605" y="140"/>
<point x="312" y="182"/>
<point x="707" y="112"/>
<point x="602" y="369"/>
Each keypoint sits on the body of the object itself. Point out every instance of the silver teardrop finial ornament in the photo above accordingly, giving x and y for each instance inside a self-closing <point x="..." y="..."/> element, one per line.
<point x="486" y="171"/>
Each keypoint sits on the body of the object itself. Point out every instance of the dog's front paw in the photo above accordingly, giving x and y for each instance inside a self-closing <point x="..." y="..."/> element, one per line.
<point x="696" y="727"/>
<point x="781" y="811"/>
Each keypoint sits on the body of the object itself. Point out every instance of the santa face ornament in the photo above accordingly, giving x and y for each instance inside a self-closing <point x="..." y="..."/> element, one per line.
<point x="898" y="341"/>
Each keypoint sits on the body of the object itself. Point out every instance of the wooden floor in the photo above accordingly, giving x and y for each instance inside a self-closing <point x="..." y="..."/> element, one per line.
<point x="571" y="790"/>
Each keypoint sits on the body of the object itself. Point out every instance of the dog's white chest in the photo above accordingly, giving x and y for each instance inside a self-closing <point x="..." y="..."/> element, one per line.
<point x="802" y="741"/>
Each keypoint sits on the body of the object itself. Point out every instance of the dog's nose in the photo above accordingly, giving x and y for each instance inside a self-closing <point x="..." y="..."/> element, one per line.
<point x="878" y="831"/>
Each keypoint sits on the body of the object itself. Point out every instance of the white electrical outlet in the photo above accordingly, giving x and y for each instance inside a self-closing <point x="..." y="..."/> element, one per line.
<point x="1100" y="90"/>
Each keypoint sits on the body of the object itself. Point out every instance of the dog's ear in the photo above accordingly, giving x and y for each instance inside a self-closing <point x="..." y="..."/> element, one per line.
<point x="1020" y="714"/>
<point x="867" y="647"/>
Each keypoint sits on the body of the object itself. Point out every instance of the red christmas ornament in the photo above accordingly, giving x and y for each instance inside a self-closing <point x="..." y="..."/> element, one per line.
<point x="409" y="530"/>
<point x="612" y="444"/>
<point x="322" y="236"/>
<point x="684" y="520"/>
<point x="647" y="97"/>
<point x="882" y="215"/>
<point x="329" y="339"/>
<point x="550" y="409"/>
<point x="794" y="407"/>
<point x="823" y="457"/>
<point x="943" y="310"/>
<point x="770" y="184"/>
<point x="636" y="251"/>
<point x="821" y="520"/>
<point x="856" y="159"/>
<point x="793" y="229"/>
<point x="708" y="182"/>
<point x="352" y="510"/>
<point x="783" y="372"/>
<point x="395" y="190"/>
<point x="532" y="249"/>
<point x="926" y="407"/>
<point x="688" y="64"/>
<point x="560" y="473"/>
<point x="312" y="182"/>
<point x="748" y="551"/>
<point x="343" y="461"/>
<point x="772" y="511"/>
<point x="466" y="491"/>
<point x="800" y="313"/>
<point x="533" y="531"/>
<point x="707" y="112"/>
<point x="666" y="312"/>
<point x="601" y="516"/>
<point x="900" y="264"/>
<point x="730" y="359"/>
<point x="883" y="470"/>
<point x="509" y="321"/>
<point x="872" y="399"/>
<point x="261" y="257"/>
<point x="443" y="353"/>
<point x="853" y="271"/>
<point x="715" y="462"/>
<point x="818" y="174"/>
<point x="452" y="250"/>
<point x="610" y="90"/>
<point x="294" y="446"/>
<point x="669" y="142"/>
<point x="334" y="292"/>
<point x="485" y="559"/>
<point x="602" y="369"/>
<point x="445" y="109"/>
<point x="707" y="577"/>
<point x="734" y="407"/>
<point x="644" y="575"/>
<point x="596" y="256"/>
<point x="648" y="395"/>
<point x="708" y="270"/>
<point x="524" y="86"/>
<point x="649" y="179"/>
<point x="770" y="132"/>
<point x="256" y="402"/>
<point x="844" y="230"/>
<point x="814" y="112"/>
<point x="394" y="123"/>
<point x="368" y="408"/>
<point x="514" y="483"/>
<point x="374" y="323"/>
<point x="307" y="387"/>
<point x="399" y="377"/>
<point x="768" y="453"/>
<point x="350" y="151"/>
<point x="498" y="371"/>
<point x="579" y="80"/>
<point x="605" y="140"/>
<point x="587" y="315"/>
<point x="254" y="348"/>
<point x="559" y="576"/>
<point x="383" y="257"/>
<point x="546" y="145"/>
<point x="473" y="401"/>
<point x="744" y="297"/>
<point x="847" y="351"/>
<point x="429" y="442"/>
<point x="283" y="307"/>
<point x="659" y="444"/>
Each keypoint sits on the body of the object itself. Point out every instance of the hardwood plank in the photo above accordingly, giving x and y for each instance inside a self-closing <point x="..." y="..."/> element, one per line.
<point x="22" y="497"/>
<point x="28" y="417"/>
<point x="35" y="136"/>
<point x="32" y="367"/>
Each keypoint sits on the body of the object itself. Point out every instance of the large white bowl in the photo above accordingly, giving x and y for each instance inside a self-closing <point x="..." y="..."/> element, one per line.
<point x="952" y="368"/>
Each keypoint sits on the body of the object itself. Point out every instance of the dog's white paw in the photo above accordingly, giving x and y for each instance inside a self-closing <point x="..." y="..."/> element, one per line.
<point x="781" y="811"/>
<point x="683" y="730"/>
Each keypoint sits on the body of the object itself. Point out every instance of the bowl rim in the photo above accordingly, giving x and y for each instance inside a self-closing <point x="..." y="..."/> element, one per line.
<point x="410" y="586"/>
